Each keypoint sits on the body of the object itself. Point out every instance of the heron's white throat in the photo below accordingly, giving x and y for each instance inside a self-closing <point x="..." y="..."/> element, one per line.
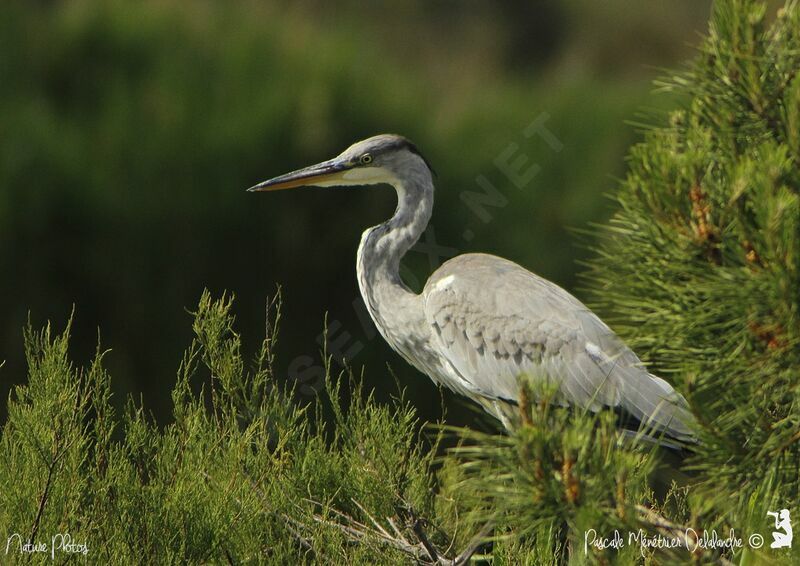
<point x="369" y="176"/>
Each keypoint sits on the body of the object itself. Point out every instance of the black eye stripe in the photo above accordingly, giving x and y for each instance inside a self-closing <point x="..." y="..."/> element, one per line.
<point x="401" y="142"/>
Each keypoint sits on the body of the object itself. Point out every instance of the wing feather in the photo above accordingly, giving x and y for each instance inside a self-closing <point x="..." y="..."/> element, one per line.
<point x="495" y="321"/>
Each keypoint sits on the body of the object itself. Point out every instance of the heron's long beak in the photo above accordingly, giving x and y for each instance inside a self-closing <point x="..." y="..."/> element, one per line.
<point x="321" y="174"/>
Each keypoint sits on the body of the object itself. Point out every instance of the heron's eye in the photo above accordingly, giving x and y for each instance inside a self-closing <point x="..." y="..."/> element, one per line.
<point x="366" y="159"/>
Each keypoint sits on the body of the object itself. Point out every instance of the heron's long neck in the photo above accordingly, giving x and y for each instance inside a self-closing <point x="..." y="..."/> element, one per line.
<point x="383" y="246"/>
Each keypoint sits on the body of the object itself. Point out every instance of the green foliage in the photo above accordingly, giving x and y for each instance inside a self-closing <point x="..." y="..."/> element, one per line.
<point x="558" y="476"/>
<point x="700" y="268"/>
<point x="240" y="474"/>
<point x="243" y="473"/>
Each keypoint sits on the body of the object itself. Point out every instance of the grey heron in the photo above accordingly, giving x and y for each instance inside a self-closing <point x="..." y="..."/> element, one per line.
<point x="482" y="321"/>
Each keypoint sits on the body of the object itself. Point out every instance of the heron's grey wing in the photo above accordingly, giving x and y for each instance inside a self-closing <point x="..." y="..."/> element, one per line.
<point x="493" y="321"/>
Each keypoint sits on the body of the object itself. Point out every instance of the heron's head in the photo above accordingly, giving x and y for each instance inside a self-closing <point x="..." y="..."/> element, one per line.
<point x="386" y="158"/>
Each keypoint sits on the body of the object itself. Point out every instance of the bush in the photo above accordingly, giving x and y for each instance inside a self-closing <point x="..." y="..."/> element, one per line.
<point x="243" y="473"/>
<point x="700" y="268"/>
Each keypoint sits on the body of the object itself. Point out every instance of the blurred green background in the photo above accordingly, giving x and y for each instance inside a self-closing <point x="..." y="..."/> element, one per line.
<point x="129" y="131"/>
